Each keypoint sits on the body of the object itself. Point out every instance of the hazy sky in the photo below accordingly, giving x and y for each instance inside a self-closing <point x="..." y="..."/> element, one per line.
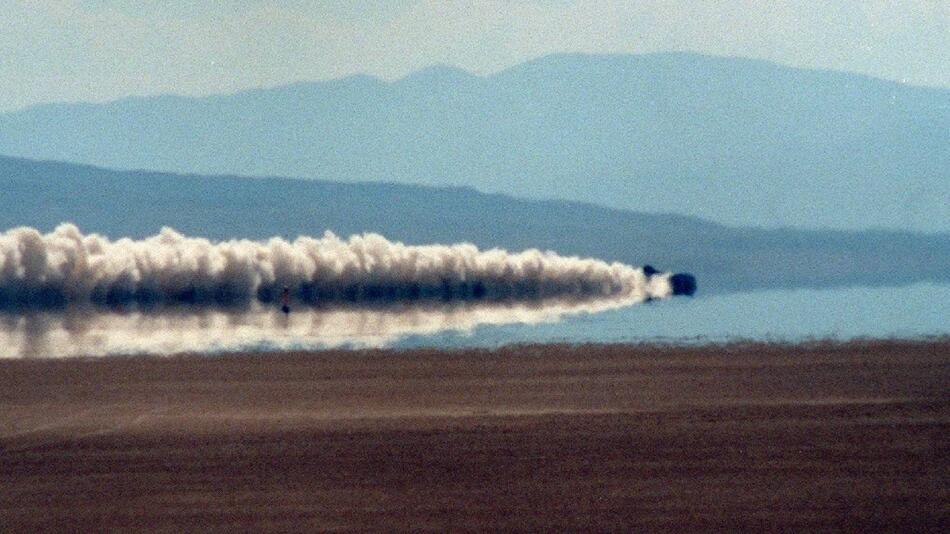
<point x="68" y="50"/>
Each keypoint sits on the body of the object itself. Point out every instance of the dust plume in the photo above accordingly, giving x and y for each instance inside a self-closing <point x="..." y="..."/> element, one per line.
<point x="67" y="267"/>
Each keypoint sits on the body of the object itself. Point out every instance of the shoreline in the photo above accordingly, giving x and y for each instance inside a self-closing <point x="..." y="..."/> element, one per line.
<point x="653" y="345"/>
<point x="815" y="435"/>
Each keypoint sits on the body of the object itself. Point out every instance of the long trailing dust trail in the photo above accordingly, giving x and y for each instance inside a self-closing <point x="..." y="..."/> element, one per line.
<point x="68" y="267"/>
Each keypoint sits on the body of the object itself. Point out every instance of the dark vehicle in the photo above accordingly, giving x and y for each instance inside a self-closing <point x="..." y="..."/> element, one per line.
<point x="683" y="283"/>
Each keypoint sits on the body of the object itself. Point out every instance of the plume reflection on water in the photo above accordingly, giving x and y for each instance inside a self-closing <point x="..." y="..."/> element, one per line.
<point x="94" y="332"/>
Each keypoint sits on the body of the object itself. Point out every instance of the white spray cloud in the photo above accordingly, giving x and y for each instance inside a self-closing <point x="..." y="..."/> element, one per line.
<point x="68" y="267"/>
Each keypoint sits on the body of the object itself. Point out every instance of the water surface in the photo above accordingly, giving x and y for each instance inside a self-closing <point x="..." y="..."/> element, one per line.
<point x="785" y="315"/>
<point x="778" y="315"/>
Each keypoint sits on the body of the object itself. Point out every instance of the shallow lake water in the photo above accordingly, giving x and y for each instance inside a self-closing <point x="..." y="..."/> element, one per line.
<point x="781" y="315"/>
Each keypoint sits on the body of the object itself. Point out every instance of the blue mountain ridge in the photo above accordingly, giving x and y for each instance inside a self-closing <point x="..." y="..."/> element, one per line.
<point x="737" y="141"/>
<point x="136" y="204"/>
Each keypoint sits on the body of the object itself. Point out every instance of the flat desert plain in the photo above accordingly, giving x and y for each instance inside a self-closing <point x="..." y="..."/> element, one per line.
<point x="852" y="436"/>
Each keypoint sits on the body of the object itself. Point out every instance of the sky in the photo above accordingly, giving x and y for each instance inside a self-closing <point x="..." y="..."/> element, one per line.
<point x="100" y="50"/>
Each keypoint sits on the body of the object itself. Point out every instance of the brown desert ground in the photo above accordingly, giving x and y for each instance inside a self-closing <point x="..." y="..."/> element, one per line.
<point x="852" y="436"/>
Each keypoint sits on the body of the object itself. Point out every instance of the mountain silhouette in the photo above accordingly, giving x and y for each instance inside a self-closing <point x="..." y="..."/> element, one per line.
<point x="737" y="141"/>
<point x="137" y="204"/>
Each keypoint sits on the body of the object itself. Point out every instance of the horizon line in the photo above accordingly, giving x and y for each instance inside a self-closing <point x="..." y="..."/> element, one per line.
<point x="446" y="66"/>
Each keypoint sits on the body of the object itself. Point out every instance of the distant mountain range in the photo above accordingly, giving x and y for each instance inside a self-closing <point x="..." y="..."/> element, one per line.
<point x="736" y="141"/>
<point x="136" y="204"/>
